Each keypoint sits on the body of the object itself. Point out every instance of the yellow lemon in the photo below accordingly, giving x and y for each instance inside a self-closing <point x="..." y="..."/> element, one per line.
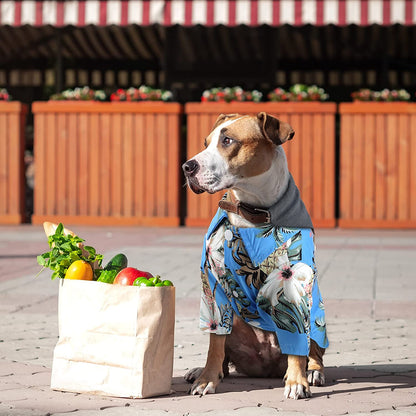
<point x="79" y="270"/>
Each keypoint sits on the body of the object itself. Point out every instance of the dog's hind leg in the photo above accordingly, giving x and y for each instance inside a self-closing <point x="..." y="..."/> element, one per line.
<point x="315" y="372"/>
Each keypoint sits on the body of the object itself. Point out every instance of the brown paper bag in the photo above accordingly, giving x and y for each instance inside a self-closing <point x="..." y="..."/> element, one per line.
<point x="114" y="340"/>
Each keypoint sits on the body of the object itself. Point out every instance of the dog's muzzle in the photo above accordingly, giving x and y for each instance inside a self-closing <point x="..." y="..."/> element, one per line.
<point x="190" y="169"/>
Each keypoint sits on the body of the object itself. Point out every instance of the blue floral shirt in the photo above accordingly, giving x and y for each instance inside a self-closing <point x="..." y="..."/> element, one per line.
<point x="267" y="276"/>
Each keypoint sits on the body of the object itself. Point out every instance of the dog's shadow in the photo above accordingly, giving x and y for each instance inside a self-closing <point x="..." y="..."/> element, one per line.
<point x="339" y="380"/>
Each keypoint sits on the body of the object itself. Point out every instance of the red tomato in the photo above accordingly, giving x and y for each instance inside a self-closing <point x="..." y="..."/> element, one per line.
<point x="128" y="275"/>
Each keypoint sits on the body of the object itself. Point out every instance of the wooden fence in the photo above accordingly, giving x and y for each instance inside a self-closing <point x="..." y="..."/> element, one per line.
<point x="378" y="165"/>
<point x="119" y="163"/>
<point x="107" y="163"/>
<point x="311" y="154"/>
<point x="12" y="167"/>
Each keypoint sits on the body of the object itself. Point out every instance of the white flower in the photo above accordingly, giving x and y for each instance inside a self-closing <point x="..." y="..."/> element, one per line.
<point x="289" y="280"/>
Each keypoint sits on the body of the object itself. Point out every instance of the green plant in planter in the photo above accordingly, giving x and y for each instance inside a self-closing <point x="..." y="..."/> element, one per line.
<point x="79" y="94"/>
<point x="298" y="92"/>
<point x="142" y="93"/>
<point x="231" y="94"/>
<point x="385" y="95"/>
<point x="4" y="95"/>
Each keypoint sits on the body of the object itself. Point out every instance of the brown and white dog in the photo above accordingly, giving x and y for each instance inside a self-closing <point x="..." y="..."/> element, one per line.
<point x="244" y="154"/>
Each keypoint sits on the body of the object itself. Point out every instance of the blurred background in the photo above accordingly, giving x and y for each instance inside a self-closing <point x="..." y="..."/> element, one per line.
<point x="187" y="47"/>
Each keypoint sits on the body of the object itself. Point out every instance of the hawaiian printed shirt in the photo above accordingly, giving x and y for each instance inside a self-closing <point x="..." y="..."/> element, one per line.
<point x="267" y="276"/>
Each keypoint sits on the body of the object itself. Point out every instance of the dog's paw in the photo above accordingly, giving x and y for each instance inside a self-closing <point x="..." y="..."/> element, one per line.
<point x="316" y="378"/>
<point x="204" y="380"/>
<point x="193" y="374"/>
<point x="202" y="387"/>
<point x="296" y="391"/>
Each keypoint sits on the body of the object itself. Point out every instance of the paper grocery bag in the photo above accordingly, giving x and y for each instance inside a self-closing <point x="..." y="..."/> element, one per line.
<point x="114" y="340"/>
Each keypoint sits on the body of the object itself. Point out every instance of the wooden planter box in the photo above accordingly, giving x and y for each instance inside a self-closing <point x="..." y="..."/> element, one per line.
<point x="12" y="166"/>
<point x="378" y="165"/>
<point x="311" y="154"/>
<point x="107" y="163"/>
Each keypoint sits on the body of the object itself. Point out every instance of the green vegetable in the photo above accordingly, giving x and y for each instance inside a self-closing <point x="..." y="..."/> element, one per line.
<point x="153" y="281"/>
<point x="64" y="251"/>
<point x="118" y="262"/>
<point x="110" y="271"/>
<point x="142" y="282"/>
<point x="107" y="276"/>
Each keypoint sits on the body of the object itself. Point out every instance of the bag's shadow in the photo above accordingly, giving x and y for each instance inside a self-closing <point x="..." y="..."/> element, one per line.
<point x="339" y="380"/>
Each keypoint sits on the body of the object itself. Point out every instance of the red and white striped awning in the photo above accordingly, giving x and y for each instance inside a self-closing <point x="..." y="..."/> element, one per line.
<point x="207" y="12"/>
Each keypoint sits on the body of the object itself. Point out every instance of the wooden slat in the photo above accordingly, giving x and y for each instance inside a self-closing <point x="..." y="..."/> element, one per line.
<point x="412" y="168"/>
<point x="116" y="166"/>
<point x="328" y="186"/>
<point x="4" y="164"/>
<point x="150" y="181"/>
<point x="368" y="144"/>
<point x="140" y="167"/>
<point x="50" y="164"/>
<point x="344" y="188"/>
<point x="357" y="165"/>
<point x="14" y="164"/>
<point x="72" y="177"/>
<point x="62" y="155"/>
<point x="159" y="164"/>
<point x="83" y="160"/>
<point x="380" y="168"/>
<point x="39" y="151"/>
<point x="392" y="159"/>
<point x="127" y="164"/>
<point x="403" y="169"/>
<point x="317" y="157"/>
<point x="94" y="142"/>
<point x="170" y="183"/>
<point x="105" y="165"/>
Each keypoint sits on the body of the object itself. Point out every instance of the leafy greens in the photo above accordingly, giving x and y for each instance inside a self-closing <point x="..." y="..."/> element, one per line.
<point x="64" y="251"/>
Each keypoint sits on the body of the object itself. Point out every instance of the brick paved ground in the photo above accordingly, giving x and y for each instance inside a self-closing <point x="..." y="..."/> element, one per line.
<point x="366" y="277"/>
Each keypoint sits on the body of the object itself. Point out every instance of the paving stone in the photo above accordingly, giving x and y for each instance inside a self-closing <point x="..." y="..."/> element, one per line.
<point x="370" y="364"/>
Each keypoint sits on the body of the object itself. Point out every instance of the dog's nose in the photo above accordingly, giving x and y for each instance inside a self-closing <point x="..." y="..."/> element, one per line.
<point x="190" y="167"/>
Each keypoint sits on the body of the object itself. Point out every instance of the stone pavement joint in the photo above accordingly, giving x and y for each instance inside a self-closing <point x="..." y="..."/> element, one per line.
<point x="367" y="280"/>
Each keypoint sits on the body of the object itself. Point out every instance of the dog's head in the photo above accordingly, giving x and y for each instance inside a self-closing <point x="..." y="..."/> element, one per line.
<point x="238" y="147"/>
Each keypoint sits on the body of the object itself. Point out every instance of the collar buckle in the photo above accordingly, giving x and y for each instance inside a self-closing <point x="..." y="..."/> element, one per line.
<point x="266" y="212"/>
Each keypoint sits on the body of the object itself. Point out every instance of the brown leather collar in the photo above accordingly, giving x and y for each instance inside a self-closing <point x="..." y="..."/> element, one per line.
<point x="248" y="212"/>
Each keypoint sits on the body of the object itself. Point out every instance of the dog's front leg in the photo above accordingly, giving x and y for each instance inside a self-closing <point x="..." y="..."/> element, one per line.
<point x="297" y="386"/>
<point x="212" y="374"/>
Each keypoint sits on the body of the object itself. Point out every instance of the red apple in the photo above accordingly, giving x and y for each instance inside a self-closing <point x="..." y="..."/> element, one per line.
<point x="128" y="275"/>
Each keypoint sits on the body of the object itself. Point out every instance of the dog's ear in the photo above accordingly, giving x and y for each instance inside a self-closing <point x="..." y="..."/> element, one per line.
<point x="222" y="117"/>
<point x="275" y="130"/>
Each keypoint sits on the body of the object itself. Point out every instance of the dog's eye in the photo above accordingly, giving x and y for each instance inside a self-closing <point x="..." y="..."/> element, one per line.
<point x="226" y="141"/>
